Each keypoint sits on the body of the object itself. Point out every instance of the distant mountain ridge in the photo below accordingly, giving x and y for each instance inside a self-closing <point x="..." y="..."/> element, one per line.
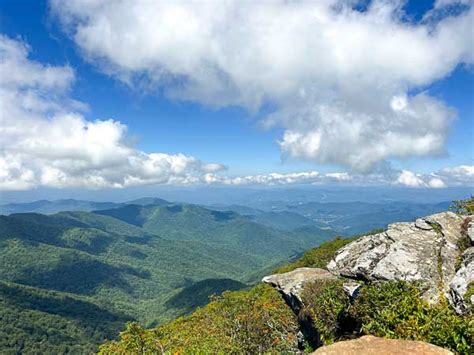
<point x="343" y="218"/>
<point x="51" y="207"/>
<point x="133" y="261"/>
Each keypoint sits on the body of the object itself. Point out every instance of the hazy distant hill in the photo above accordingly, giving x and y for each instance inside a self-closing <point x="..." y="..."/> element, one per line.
<point x="50" y="207"/>
<point x="55" y="206"/>
<point x="345" y="218"/>
<point x="150" y="263"/>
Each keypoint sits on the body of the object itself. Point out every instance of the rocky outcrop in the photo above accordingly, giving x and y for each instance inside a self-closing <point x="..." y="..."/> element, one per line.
<point x="425" y="250"/>
<point x="370" y="345"/>
<point x="290" y="284"/>
<point x="470" y="230"/>
<point x="460" y="283"/>
<point x="429" y="250"/>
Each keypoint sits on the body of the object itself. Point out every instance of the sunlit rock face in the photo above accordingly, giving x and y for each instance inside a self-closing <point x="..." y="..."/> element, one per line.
<point x="425" y="250"/>
<point x="370" y="345"/>
<point x="291" y="284"/>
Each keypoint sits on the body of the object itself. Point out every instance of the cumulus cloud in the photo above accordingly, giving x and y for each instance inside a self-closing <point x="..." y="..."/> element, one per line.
<point x="410" y="179"/>
<point x="448" y="177"/>
<point x="444" y="3"/>
<point x="341" y="81"/>
<point x="271" y="179"/>
<point x="46" y="141"/>
<point x="462" y="175"/>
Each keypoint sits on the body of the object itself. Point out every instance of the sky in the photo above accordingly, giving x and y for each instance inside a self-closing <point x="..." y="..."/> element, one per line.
<point x="122" y="94"/>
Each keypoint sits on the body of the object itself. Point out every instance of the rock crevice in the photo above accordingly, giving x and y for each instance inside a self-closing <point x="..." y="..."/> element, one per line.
<point x="424" y="251"/>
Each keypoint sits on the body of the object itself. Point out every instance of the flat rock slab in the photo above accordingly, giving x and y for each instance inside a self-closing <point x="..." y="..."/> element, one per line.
<point x="425" y="250"/>
<point x="370" y="345"/>
<point x="290" y="284"/>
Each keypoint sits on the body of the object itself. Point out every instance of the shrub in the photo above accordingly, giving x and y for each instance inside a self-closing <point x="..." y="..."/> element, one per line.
<point x="327" y="305"/>
<point x="133" y="340"/>
<point x="464" y="207"/>
<point x="467" y="297"/>
<point x="321" y="255"/>
<point x="243" y="322"/>
<point x="317" y="257"/>
<point x="396" y="310"/>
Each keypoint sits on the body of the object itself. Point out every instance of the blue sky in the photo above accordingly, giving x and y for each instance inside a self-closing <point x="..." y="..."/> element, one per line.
<point x="233" y="135"/>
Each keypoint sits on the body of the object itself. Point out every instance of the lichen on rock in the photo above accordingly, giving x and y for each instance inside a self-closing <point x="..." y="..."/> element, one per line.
<point x="423" y="251"/>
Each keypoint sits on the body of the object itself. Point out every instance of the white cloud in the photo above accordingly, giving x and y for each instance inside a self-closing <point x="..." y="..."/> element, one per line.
<point x="444" y="3"/>
<point x="387" y="177"/>
<point x="410" y="179"/>
<point x="462" y="175"/>
<point x="436" y="183"/>
<point x="339" y="176"/>
<point x="266" y="179"/>
<point x="46" y="141"/>
<point x="340" y="79"/>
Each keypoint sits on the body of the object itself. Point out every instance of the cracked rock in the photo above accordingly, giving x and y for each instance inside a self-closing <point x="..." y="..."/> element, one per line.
<point x="290" y="284"/>
<point x="425" y="250"/>
<point x="459" y="284"/>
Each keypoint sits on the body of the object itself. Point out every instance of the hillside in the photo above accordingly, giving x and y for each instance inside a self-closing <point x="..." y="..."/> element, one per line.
<point x="324" y="218"/>
<point x="149" y="263"/>
<point x="414" y="280"/>
<point x="51" y="207"/>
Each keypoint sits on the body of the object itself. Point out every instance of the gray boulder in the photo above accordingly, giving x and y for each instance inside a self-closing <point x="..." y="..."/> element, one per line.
<point x="425" y="250"/>
<point x="291" y="284"/>
<point x="470" y="231"/>
<point x="460" y="283"/>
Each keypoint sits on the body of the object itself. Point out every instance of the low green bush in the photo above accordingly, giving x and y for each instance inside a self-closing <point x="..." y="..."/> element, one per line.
<point x="465" y="207"/>
<point x="242" y="322"/>
<point x="327" y="304"/>
<point x="319" y="256"/>
<point x="396" y="310"/>
<point x="467" y="297"/>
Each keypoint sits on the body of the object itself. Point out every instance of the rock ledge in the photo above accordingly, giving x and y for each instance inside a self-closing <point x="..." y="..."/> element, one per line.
<point x="370" y="345"/>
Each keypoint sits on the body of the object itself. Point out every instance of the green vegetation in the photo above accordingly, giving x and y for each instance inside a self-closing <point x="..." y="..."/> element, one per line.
<point x="317" y="257"/>
<point x="468" y="295"/>
<point x="257" y="320"/>
<point x="321" y="255"/>
<point x="72" y="280"/>
<point x="386" y="309"/>
<point x="46" y="322"/>
<point x="326" y="303"/>
<point x="147" y="263"/>
<point x="396" y="310"/>
<point x="464" y="207"/>
<point x="242" y="322"/>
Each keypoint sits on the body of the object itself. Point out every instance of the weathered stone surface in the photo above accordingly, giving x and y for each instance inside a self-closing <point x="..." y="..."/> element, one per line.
<point x="290" y="284"/>
<point x="459" y="284"/>
<point x="370" y="345"/>
<point x="406" y="251"/>
<point x="351" y="289"/>
<point x="421" y="224"/>
<point x="470" y="231"/>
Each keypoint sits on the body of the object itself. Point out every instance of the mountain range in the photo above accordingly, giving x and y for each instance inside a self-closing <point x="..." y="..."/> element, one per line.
<point x="141" y="261"/>
<point x="73" y="272"/>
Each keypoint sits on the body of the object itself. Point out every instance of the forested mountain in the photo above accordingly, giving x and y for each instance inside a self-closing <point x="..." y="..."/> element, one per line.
<point x="342" y="218"/>
<point x="55" y="206"/>
<point x="341" y="290"/>
<point x="50" y="207"/>
<point x="71" y="279"/>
